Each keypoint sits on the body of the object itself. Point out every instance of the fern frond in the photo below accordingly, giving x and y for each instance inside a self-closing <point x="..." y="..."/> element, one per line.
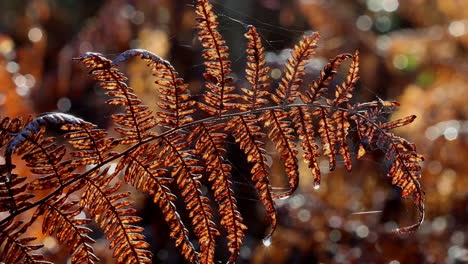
<point x="247" y="134"/>
<point x="318" y="87"/>
<point x="137" y="119"/>
<point x="91" y="145"/>
<point x="220" y="90"/>
<point x="295" y="70"/>
<point x="13" y="196"/>
<point x="256" y="73"/>
<point x="404" y="171"/>
<point x="17" y="249"/>
<point x="343" y="93"/>
<point x="30" y="133"/>
<point x="174" y="100"/>
<point x="281" y="133"/>
<point x="144" y="172"/>
<point x="176" y="154"/>
<point x="113" y="214"/>
<point x="60" y="219"/>
<point x="303" y="120"/>
<point x="210" y="139"/>
<point x="9" y="128"/>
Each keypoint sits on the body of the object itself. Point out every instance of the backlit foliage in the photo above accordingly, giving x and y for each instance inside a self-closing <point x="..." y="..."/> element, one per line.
<point x="174" y="153"/>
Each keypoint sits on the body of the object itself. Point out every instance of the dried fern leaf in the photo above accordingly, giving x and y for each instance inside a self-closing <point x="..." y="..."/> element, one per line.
<point x="9" y="128"/>
<point x="302" y="119"/>
<point x="143" y="170"/>
<point x="176" y="154"/>
<point x="327" y="132"/>
<point x="220" y="90"/>
<point x="344" y="92"/>
<point x="405" y="173"/>
<point x="404" y="170"/>
<point x="137" y="118"/>
<point x="60" y="219"/>
<point x="91" y="145"/>
<point x="209" y="141"/>
<point x="295" y="70"/>
<point x="318" y="87"/>
<point x="33" y="128"/>
<point x="112" y="213"/>
<point x="13" y="195"/>
<point x="17" y="249"/>
<point x="282" y="134"/>
<point x="174" y="100"/>
<point x="248" y="134"/>
<point x="43" y="156"/>
<point x="256" y="73"/>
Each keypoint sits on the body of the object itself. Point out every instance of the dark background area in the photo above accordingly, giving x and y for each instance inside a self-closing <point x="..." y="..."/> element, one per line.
<point x="412" y="51"/>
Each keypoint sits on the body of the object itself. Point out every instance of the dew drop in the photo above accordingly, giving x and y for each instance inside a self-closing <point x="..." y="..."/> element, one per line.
<point x="267" y="242"/>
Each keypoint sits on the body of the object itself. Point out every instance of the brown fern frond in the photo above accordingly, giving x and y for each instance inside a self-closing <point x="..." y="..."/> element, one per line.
<point x="209" y="143"/>
<point x="295" y="70"/>
<point x="176" y="154"/>
<point x="60" y="219"/>
<point x="344" y="92"/>
<point x="174" y="100"/>
<point x="327" y="132"/>
<point x="41" y="154"/>
<point x="17" y="249"/>
<point x="144" y="172"/>
<point x="318" y="87"/>
<point x="220" y="90"/>
<point x="112" y="213"/>
<point x="276" y="121"/>
<point x="281" y="133"/>
<point x="248" y="135"/>
<point x="91" y="145"/>
<point x="398" y="123"/>
<point x="30" y="132"/>
<point x="137" y="119"/>
<point x="9" y="128"/>
<point x="256" y="73"/>
<point x="13" y="195"/>
<point x="303" y="120"/>
<point x="405" y="170"/>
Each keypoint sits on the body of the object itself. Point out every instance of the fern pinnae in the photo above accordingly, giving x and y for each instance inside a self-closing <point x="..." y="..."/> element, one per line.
<point x="245" y="128"/>
<point x="144" y="172"/>
<point x="59" y="219"/>
<point x="303" y="120"/>
<point x="247" y="134"/>
<point x="209" y="143"/>
<point x="16" y="249"/>
<point x="31" y="133"/>
<point x="137" y="119"/>
<point x="91" y="145"/>
<point x="342" y="95"/>
<point x="295" y="70"/>
<point x="112" y="214"/>
<point x="13" y="195"/>
<point x="174" y="101"/>
<point x="186" y="171"/>
<point x="219" y="94"/>
<point x="319" y="86"/>
<point x="280" y="131"/>
<point x="256" y="73"/>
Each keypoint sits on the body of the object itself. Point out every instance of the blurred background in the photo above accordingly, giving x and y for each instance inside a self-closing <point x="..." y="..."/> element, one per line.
<point x="413" y="51"/>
